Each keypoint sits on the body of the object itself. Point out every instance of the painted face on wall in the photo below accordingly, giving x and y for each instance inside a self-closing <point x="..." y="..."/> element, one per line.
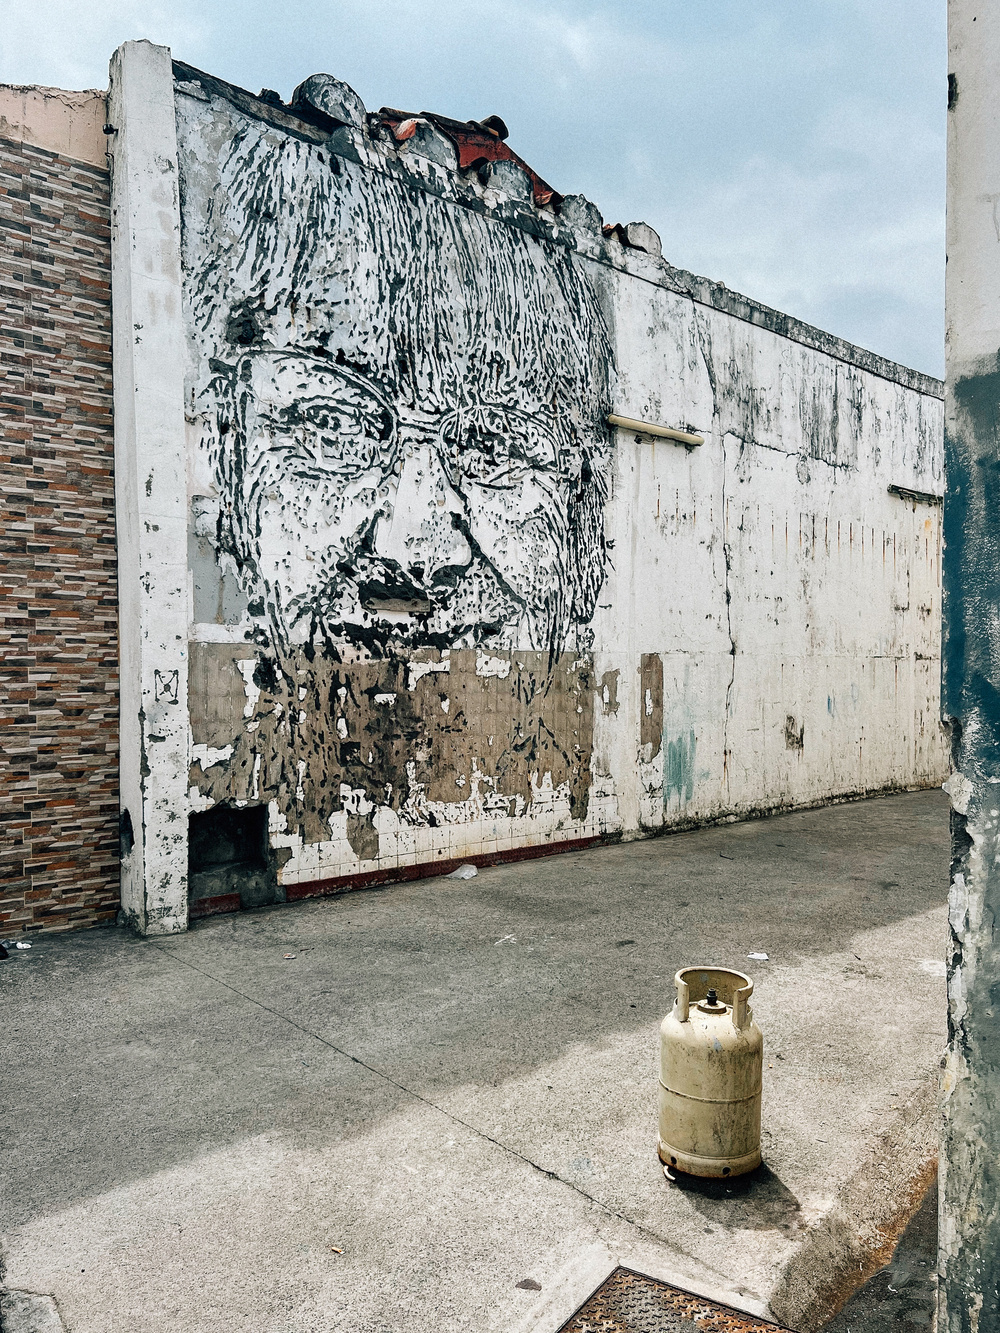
<point x="376" y="522"/>
<point x="408" y="415"/>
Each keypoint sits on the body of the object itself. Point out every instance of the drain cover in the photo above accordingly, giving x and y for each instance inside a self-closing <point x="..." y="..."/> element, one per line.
<point x="630" y="1302"/>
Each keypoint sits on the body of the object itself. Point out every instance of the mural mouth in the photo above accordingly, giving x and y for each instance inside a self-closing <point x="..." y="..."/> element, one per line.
<point x="394" y="593"/>
<point x="412" y="606"/>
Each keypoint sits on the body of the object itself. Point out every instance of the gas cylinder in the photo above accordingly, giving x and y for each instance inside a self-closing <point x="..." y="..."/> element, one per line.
<point x="711" y="1061"/>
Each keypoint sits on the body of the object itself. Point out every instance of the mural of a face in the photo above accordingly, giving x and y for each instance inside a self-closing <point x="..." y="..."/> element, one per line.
<point x="404" y="403"/>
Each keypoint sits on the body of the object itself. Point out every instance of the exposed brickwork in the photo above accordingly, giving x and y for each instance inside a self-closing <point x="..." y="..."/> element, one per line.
<point x="59" y="668"/>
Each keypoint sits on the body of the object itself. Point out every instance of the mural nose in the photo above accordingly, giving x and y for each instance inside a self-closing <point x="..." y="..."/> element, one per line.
<point x="422" y="532"/>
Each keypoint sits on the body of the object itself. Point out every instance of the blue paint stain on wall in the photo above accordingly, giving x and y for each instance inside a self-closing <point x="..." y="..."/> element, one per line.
<point x="678" y="766"/>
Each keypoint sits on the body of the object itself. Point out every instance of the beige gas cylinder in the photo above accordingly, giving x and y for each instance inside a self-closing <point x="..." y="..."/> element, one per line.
<point x="711" y="1060"/>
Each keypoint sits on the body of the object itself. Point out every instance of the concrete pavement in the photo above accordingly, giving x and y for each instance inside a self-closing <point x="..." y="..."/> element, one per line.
<point x="450" y="1087"/>
<point x="902" y="1297"/>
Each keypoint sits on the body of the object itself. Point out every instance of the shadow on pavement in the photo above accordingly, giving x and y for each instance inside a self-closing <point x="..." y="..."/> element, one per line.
<point x="756" y="1201"/>
<point x="147" y="1053"/>
<point x="901" y="1297"/>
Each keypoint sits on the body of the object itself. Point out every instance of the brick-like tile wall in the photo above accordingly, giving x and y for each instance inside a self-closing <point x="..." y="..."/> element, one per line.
<point x="59" y="661"/>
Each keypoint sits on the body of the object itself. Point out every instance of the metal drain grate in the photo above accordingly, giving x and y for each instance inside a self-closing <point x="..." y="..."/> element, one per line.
<point x="630" y="1302"/>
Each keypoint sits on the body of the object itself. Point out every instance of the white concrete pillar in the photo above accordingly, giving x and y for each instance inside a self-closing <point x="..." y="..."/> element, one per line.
<point x="970" y="1193"/>
<point x="150" y="486"/>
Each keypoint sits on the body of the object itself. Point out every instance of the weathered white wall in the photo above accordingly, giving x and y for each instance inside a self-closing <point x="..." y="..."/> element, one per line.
<point x="437" y="608"/>
<point x="793" y="599"/>
<point x="150" y="495"/>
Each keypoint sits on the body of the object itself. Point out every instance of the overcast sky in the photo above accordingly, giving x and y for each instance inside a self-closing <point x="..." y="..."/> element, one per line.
<point x="792" y="149"/>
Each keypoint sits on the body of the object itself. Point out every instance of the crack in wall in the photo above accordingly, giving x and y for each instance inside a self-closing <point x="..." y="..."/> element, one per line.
<point x="727" y="558"/>
<point x="703" y="335"/>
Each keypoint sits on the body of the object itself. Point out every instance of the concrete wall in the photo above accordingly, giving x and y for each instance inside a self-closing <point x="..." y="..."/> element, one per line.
<point x="58" y="120"/>
<point x="58" y="606"/>
<point x="438" y="608"/>
<point x="790" y="595"/>
<point x="149" y="496"/>
<point x="970" y="1193"/>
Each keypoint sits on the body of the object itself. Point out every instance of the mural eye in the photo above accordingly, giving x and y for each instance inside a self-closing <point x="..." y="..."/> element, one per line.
<point x="491" y="448"/>
<point x="349" y="436"/>
<point x="322" y="416"/>
<point x="384" y="425"/>
<point x="494" y="448"/>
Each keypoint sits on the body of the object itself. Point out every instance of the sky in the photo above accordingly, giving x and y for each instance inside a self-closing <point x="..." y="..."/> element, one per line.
<point x="792" y="149"/>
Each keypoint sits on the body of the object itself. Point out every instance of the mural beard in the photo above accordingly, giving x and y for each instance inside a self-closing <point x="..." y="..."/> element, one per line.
<point x="404" y="406"/>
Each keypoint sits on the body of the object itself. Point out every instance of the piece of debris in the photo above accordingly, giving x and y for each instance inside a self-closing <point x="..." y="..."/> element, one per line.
<point x="528" y="1284"/>
<point x="3" y="952"/>
<point x="759" y="957"/>
<point x="336" y="1249"/>
<point x="20" y="945"/>
<point x="289" y="955"/>
<point x="467" y="871"/>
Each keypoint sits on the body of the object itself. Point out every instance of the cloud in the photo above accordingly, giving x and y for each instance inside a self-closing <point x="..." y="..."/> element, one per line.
<point x="68" y="43"/>
<point x="794" y="151"/>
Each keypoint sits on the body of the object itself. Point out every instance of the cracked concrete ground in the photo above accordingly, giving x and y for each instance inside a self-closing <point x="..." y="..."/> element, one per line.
<point x="450" y="1087"/>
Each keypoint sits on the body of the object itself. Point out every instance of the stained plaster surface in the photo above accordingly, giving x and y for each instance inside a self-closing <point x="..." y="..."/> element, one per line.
<point x="69" y="123"/>
<point x="970" y="1219"/>
<point x="440" y="609"/>
<point x="385" y="1110"/>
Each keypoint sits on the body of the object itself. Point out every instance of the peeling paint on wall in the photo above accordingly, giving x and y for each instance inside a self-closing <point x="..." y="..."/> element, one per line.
<point x="969" y="1232"/>
<point x="438" y="608"/>
<point x="609" y="692"/>
<point x="795" y="736"/>
<point x="324" y="738"/>
<point x="651" y="706"/>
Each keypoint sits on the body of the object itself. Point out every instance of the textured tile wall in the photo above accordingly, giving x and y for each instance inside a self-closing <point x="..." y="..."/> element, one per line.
<point x="59" y="658"/>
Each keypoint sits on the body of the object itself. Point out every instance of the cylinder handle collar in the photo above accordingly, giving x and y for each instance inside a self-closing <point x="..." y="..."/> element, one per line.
<point x="712" y="989"/>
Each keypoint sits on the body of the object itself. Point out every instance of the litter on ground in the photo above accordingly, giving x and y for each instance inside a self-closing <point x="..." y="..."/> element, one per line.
<point x="463" y="872"/>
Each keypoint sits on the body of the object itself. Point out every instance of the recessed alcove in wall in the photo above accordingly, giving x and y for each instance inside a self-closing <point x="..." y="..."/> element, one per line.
<point x="230" y="863"/>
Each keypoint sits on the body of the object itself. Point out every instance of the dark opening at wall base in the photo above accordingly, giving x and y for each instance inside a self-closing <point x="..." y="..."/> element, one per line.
<point x="230" y="863"/>
<point x="231" y="900"/>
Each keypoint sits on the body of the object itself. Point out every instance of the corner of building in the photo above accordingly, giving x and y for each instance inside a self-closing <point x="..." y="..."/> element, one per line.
<point x="150" y="486"/>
